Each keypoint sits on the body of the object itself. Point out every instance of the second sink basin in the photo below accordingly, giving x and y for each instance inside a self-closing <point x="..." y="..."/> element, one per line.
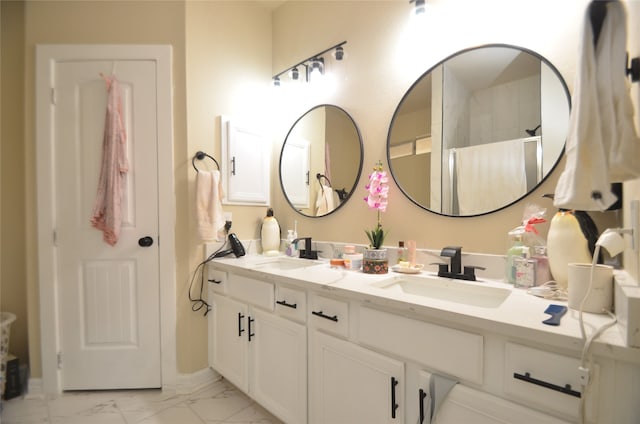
<point x="455" y="291"/>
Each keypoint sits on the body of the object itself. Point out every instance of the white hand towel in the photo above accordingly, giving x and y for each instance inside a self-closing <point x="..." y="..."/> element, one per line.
<point x="324" y="202"/>
<point x="602" y="145"/>
<point x="209" y="196"/>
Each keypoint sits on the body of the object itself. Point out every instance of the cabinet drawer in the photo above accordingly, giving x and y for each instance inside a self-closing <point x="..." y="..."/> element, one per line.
<point x="328" y="314"/>
<point x="546" y="380"/>
<point x="291" y="303"/>
<point x="451" y="351"/>
<point x="250" y="290"/>
<point x="217" y="280"/>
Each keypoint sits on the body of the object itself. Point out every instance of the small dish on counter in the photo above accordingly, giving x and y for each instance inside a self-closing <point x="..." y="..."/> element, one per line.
<point x="415" y="269"/>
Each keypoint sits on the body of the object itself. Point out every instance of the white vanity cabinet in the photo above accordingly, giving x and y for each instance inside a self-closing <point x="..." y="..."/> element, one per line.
<point x="351" y="384"/>
<point x="263" y="354"/>
<point x="326" y="355"/>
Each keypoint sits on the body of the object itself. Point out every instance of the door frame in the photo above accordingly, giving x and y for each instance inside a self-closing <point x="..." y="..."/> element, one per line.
<point x="46" y="58"/>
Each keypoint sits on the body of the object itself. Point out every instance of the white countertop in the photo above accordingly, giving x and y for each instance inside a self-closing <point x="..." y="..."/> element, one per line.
<point x="519" y="316"/>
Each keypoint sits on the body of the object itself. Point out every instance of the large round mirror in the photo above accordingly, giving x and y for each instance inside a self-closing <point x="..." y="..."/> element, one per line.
<point x="479" y="130"/>
<point x="321" y="160"/>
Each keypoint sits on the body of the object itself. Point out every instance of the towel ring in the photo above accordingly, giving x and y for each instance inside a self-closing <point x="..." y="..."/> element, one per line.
<point x="200" y="156"/>
<point x="319" y="176"/>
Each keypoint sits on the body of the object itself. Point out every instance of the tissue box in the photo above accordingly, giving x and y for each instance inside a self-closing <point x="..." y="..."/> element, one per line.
<point x="627" y="307"/>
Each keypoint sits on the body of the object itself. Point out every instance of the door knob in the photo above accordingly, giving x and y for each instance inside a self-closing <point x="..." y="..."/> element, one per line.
<point x="145" y="241"/>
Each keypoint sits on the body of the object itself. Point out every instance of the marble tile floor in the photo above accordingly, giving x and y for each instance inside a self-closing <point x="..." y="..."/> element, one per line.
<point x="218" y="403"/>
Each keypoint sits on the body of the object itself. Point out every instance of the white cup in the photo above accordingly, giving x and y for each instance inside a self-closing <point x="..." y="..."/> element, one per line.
<point x="601" y="296"/>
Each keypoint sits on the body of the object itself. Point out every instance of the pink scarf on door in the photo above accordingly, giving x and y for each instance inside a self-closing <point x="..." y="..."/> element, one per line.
<point x="107" y="211"/>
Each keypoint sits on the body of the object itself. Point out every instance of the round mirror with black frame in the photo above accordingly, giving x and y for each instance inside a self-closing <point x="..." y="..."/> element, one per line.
<point x="479" y="130"/>
<point x="321" y="161"/>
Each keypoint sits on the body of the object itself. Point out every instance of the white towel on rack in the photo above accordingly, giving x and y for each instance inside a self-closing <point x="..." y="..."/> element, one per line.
<point x="490" y="176"/>
<point x="602" y="144"/>
<point x="209" y="196"/>
<point x="325" y="202"/>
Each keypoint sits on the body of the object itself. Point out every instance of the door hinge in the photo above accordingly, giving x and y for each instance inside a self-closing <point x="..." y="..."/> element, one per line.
<point x="55" y="237"/>
<point x="59" y="360"/>
<point x="53" y="95"/>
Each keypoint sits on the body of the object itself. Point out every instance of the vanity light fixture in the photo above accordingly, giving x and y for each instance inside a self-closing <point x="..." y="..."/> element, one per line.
<point x="419" y="6"/>
<point x="312" y="65"/>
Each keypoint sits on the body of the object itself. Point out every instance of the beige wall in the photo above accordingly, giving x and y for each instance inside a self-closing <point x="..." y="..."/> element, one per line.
<point x="383" y="59"/>
<point x="228" y="73"/>
<point x="69" y="22"/>
<point x="224" y="54"/>
<point x="229" y="48"/>
<point x="13" y="272"/>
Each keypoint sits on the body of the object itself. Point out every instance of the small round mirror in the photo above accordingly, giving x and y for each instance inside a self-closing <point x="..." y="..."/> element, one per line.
<point x="321" y="161"/>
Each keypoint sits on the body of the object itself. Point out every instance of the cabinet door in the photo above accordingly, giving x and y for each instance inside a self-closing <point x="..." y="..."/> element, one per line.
<point x="279" y="366"/>
<point x="349" y="384"/>
<point x="247" y="165"/>
<point x="229" y="334"/>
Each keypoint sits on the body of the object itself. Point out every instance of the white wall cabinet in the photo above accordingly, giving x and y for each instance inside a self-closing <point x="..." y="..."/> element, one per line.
<point x="351" y="384"/>
<point x="246" y="158"/>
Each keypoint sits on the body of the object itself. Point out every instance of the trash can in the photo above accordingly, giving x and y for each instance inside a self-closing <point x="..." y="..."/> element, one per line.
<point x="6" y="318"/>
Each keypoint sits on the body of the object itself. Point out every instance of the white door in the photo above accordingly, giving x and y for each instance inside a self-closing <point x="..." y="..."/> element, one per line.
<point x="294" y="166"/>
<point x="109" y="306"/>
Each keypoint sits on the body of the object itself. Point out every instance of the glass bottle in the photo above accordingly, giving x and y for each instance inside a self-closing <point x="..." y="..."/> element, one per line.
<point x="543" y="272"/>
<point x="515" y="251"/>
<point x="402" y="252"/>
<point x="525" y="267"/>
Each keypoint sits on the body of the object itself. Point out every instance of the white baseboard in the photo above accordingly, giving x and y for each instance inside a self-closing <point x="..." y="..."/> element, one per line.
<point x="35" y="389"/>
<point x="186" y="384"/>
<point x="189" y="383"/>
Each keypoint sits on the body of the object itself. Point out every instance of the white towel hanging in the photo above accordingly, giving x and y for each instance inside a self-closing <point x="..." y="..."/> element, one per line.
<point x="602" y="144"/>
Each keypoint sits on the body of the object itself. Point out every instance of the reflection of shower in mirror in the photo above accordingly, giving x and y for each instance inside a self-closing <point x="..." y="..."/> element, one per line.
<point x="533" y="132"/>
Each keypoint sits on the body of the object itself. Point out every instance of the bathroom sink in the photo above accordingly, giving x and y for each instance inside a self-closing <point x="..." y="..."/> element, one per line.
<point x="456" y="291"/>
<point x="284" y="264"/>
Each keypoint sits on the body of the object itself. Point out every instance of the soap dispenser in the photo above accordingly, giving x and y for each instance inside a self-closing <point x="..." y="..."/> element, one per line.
<point x="270" y="234"/>
<point x="292" y="248"/>
<point x="515" y="251"/>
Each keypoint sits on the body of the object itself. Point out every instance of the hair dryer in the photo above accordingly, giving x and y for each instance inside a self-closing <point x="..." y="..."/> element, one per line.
<point x="236" y="248"/>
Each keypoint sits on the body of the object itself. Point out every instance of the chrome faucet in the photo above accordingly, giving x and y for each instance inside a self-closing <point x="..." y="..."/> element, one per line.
<point x="454" y="268"/>
<point x="307" y="252"/>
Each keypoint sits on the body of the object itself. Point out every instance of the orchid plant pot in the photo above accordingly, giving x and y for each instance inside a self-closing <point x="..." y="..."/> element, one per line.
<point x="375" y="261"/>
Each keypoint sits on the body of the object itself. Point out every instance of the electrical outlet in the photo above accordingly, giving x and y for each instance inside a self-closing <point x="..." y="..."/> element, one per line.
<point x="635" y="224"/>
<point x="228" y="216"/>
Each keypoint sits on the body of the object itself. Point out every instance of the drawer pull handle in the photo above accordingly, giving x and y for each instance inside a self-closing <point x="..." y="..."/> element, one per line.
<point x="250" y="334"/>
<point x="321" y="315"/>
<point x="567" y="390"/>
<point x="421" y="395"/>
<point x="394" y="405"/>
<point x="215" y="281"/>
<point x="288" y="305"/>
<point x="240" y="329"/>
